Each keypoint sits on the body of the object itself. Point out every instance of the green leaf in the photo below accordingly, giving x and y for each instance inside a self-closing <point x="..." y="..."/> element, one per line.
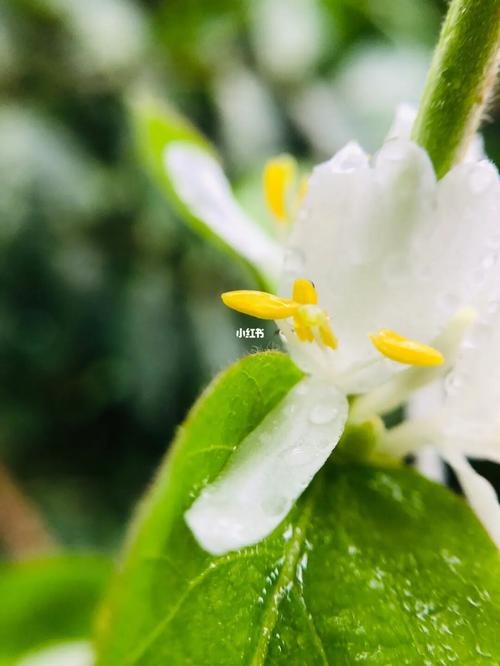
<point x="373" y="565"/>
<point x="47" y="601"/>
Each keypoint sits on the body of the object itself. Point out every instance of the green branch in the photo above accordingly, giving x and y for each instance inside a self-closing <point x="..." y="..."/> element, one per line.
<point x="460" y="80"/>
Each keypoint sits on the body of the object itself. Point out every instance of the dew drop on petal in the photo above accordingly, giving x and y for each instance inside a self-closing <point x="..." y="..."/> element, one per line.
<point x="294" y="261"/>
<point x="274" y="506"/>
<point x="449" y="301"/>
<point x="452" y="383"/>
<point x="480" y="180"/>
<point x="323" y="413"/>
<point x="297" y="455"/>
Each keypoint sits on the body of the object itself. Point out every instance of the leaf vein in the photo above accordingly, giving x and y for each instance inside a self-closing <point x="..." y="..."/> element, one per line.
<point x="285" y="579"/>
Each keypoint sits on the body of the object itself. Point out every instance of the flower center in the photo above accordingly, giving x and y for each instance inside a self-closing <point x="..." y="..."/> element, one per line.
<point x="311" y="323"/>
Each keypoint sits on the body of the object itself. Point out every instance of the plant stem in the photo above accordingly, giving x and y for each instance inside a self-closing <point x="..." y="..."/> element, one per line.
<point x="460" y="80"/>
<point x="22" y="529"/>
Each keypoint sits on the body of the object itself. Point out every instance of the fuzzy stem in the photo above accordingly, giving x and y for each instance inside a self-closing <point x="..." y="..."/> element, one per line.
<point x="460" y="80"/>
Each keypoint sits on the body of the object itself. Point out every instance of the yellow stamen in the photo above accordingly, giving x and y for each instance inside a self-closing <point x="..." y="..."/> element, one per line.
<point x="260" y="304"/>
<point x="279" y="174"/>
<point x="403" y="350"/>
<point x="302" y="331"/>
<point x="310" y="321"/>
<point x="304" y="292"/>
<point x="327" y="335"/>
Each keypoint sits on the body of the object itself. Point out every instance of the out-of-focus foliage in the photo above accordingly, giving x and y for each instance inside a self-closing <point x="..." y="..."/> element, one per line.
<point x="110" y="320"/>
<point x="47" y="602"/>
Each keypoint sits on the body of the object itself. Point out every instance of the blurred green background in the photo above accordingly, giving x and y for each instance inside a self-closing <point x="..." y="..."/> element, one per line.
<point x="110" y="321"/>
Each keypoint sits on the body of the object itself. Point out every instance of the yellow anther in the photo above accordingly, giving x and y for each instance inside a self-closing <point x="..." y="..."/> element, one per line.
<point x="403" y="350"/>
<point x="260" y="304"/>
<point x="310" y="321"/>
<point x="304" y="292"/>
<point x="327" y="335"/>
<point x="302" y="331"/>
<point x="279" y="174"/>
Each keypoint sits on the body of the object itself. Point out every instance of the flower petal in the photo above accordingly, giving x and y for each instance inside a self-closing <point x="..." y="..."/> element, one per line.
<point x="270" y="469"/>
<point x="471" y="414"/>
<point x="403" y="122"/>
<point x="479" y="492"/>
<point x="387" y="246"/>
<point x="202" y="186"/>
<point x="430" y="464"/>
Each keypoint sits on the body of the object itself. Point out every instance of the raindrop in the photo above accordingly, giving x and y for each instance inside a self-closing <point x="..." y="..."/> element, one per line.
<point x="449" y="301"/>
<point x="452" y="383"/>
<point x="480" y="180"/>
<point x="298" y="455"/>
<point x="294" y="261"/>
<point x="274" y="506"/>
<point x="322" y="414"/>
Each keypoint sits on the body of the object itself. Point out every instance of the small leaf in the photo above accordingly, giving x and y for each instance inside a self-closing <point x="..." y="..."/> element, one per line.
<point x="187" y="170"/>
<point x="48" y="601"/>
<point x="373" y="565"/>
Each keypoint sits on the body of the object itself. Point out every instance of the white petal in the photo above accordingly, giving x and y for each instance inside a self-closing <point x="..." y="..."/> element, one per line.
<point x="430" y="464"/>
<point x="270" y="469"/>
<point x="479" y="492"/>
<point x="388" y="246"/>
<point x="403" y="122"/>
<point x="64" y="654"/>
<point x="201" y="184"/>
<point x="472" y="389"/>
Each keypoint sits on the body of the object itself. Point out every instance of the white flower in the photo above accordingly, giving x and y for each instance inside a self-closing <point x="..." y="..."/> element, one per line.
<point x="204" y="189"/>
<point x="78" y="653"/>
<point x="398" y="260"/>
<point x="462" y="418"/>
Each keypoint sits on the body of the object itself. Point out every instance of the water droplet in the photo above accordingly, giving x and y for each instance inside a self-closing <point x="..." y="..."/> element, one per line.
<point x="294" y="261"/>
<point x="323" y="413"/>
<point x="298" y="454"/>
<point x="474" y="602"/>
<point x="275" y="505"/>
<point x="452" y="383"/>
<point x="480" y="180"/>
<point x="301" y="388"/>
<point x="481" y="652"/>
<point x="449" y="301"/>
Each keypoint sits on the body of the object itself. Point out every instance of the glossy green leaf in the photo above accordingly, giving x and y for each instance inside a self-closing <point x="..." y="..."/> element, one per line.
<point x="373" y="565"/>
<point x="47" y="601"/>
